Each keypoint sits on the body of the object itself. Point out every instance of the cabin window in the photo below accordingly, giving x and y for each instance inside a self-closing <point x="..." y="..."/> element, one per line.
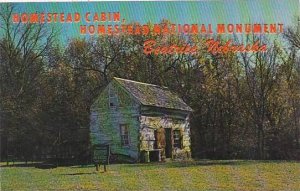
<point x="112" y="98"/>
<point x="124" y="135"/>
<point x="177" y="139"/>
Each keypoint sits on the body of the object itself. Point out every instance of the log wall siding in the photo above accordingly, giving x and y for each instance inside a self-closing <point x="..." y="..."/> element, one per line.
<point x="148" y="124"/>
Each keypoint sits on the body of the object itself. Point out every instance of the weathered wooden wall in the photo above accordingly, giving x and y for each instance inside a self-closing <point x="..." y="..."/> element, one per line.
<point x="106" y="120"/>
<point x="142" y="122"/>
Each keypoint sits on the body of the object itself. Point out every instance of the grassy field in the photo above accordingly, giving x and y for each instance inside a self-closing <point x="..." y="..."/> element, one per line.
<point x="192" y="175"/>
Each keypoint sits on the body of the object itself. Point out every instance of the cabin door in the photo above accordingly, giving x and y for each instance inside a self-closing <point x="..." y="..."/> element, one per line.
<point x="168" y="136"/>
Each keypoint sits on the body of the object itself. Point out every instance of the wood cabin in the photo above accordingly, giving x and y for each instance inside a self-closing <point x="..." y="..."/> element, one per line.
<point x="144" y="122"/>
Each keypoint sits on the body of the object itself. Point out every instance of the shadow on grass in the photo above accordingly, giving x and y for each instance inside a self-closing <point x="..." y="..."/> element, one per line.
<point x="21" y="165"/>
<point x="169" y="164"/>
<point x="44" y="165"/>
<point x="83" y="166"/>
<point x="178" y="164"/>
<point x="78" y="174"/>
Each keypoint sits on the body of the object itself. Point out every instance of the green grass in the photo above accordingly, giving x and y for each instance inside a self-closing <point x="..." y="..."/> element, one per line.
<point x="192" y="175"/>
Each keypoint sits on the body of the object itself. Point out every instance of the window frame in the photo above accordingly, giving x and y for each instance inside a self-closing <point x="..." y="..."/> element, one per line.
<point x="177" y="141"/>
<point x="124" y="135"/>
<point x="112" y="98"/>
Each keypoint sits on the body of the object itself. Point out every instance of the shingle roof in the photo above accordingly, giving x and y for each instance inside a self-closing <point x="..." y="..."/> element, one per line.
<point x="153" y="95"/>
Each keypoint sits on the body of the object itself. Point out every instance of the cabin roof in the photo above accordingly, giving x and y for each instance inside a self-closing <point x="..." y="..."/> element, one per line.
<point x="153" y="95"/>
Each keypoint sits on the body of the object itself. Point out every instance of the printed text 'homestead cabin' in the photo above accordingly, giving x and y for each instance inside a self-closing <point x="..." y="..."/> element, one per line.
<point x="143" y="122"/>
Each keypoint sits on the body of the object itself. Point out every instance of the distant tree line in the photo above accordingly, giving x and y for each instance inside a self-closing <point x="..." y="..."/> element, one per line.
<point x="246" y="105"/>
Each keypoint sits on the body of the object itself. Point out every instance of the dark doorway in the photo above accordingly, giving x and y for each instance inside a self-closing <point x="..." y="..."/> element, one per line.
<point x="154" y="156"/>
<point x="168" y="136"/>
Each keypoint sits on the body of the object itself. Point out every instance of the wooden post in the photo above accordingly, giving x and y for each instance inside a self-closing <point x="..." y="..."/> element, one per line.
<point x="97" y="167"/>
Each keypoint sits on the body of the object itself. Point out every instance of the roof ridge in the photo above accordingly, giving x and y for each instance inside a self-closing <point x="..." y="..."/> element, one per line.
<point x="141" y="83"/>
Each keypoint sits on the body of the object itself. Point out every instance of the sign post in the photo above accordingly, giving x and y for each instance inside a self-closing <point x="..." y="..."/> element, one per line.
<point x="101" y="155"/>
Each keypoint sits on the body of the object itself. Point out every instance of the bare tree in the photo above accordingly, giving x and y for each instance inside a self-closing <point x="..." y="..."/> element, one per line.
<point x="22" y="51"/>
